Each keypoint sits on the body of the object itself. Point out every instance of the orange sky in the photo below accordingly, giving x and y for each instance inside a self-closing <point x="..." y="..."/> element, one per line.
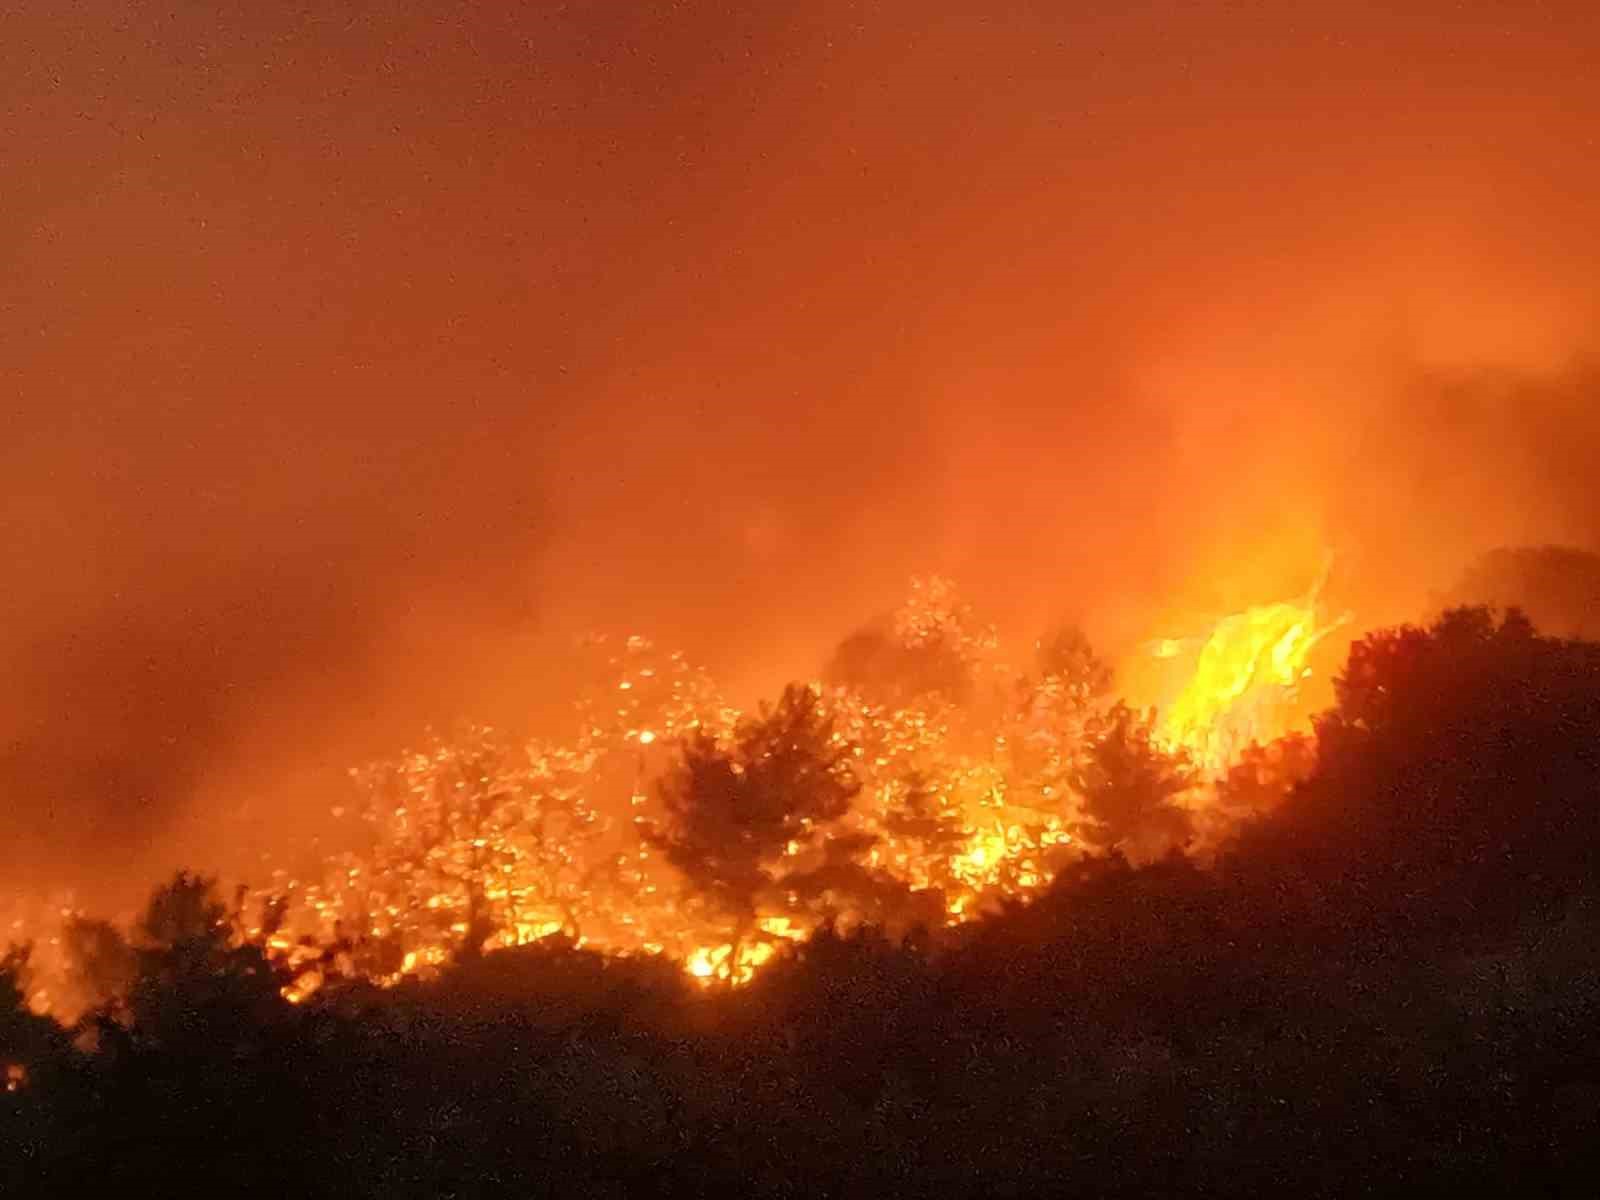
<point x="354" y="355"/>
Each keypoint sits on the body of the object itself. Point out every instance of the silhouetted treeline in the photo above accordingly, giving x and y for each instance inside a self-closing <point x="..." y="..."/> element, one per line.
<point x="1388" y="983"/>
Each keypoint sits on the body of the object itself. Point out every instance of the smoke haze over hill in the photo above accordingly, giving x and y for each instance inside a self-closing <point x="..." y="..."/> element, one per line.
<point x="355" y="358"/>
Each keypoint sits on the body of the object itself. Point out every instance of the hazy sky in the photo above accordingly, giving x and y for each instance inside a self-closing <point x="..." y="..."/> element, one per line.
<point x="351" y="355"/>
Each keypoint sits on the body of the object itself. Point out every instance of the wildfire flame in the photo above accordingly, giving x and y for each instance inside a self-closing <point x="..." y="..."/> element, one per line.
<point x="1246" y="677"/>
<point x="474" y="840"/>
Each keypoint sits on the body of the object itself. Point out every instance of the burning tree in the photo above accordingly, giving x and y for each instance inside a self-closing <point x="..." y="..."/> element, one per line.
<point x="448" y="819"/>
<point x="927" y="782"/>
<point x="932" y="646"/>
<point x="199" y="975"/>
<point x="480" y="840"/>
<point x="100" y="964"/>
<point x="1130" y="787"/>
<point x="639" y="694"/>
<point x="927" y="828"/>
<point x="968" y="791"/>
<point x="473" y="837"/>
<point x="1047" y="734"/>
<point x="734" y="814"/>
<point x="1066" y="657"/>
<point x="26" y="1038"/>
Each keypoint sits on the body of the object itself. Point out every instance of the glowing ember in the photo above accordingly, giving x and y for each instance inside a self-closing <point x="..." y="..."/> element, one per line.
<point x="969" y="795"/>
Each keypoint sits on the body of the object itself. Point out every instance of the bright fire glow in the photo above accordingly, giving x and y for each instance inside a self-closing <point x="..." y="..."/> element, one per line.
<point x="962" y="805"/>
<point x="1245" y="679"/>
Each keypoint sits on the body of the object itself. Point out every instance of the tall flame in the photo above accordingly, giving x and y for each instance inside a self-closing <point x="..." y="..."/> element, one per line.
<point x="1246" y="677"/>
<point x="479" y="840"/>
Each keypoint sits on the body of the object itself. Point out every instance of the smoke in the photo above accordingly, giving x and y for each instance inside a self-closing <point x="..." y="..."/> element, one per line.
<point x="356" y="359"/>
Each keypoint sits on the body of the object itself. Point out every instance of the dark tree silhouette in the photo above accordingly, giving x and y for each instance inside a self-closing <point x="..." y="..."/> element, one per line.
<point x="100" y="962"/>
<point x="1458" y="776"/>
<point x="1389" y="977"/>
<point x="1129" y="787"/>
<point x="929" y="648"/>
<point x="1263" y="776"/>
<point x="733" y="814"/>
<point x="198" y="1077"/>
<point x="839" y="881"/>
<point x="35" y="1061"/>
<point x="838" y="878"/>
<point x="1056" y="707"/>
<point x="196" y="975"/>
<point x="1065" y="655"/>
<point x="933" y="830"/>
<point x="26" y="1038"/>
<point x="876" y="663"/>
<point x="845" y="1006"/>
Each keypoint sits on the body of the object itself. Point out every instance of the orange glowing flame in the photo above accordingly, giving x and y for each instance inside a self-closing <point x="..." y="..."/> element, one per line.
<point x="478" y="842"/>
<point x="1246" y="676"/>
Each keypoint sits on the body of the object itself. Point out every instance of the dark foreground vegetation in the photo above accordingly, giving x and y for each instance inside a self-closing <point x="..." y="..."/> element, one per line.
<point x="1389" y="984"/>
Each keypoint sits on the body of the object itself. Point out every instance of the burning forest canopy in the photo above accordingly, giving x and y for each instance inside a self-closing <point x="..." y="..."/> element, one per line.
<point x="929" y="775"/>
<point x="1401" y="951"/>
<point x="356" y="356"/>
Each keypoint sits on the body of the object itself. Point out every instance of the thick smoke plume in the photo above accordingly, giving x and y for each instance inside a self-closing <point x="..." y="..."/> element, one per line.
<point x="357" y="357"/>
